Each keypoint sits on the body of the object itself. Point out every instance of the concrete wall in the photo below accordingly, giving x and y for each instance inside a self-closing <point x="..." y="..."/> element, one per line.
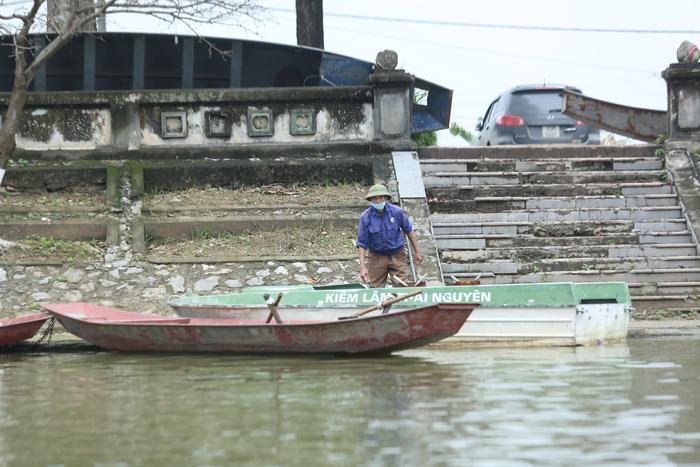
<point x="205" y="118"/>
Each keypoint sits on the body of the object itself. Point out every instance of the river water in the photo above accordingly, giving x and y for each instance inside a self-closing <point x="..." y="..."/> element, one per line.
<point x="636" y="404"/>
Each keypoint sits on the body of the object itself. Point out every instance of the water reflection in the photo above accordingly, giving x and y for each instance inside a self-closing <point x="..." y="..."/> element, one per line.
<point x="592" y="405"/>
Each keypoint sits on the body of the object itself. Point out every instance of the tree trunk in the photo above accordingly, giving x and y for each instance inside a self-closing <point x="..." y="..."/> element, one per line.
<point x="12" y="116"/>
<point x="61" y="12"/>
<point x="310" y="23"/>
<point x="11" y="120"/>
<point x="102" y="20"/>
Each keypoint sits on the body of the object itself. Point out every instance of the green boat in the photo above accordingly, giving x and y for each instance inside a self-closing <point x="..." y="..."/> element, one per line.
<point x="558" y="313"/>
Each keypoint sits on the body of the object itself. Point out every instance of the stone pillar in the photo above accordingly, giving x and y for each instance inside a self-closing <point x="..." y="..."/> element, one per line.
<point x="683" y="145"/>
<point x="392" y="100"/>
<point x="683" y="84"/>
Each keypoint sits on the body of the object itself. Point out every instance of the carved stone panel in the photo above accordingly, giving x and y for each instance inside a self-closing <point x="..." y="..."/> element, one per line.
<point x="217" y="124"/>
<point x="173" y="124"/>
<point x="260" y="123"/>
<point x="302" y="122"/>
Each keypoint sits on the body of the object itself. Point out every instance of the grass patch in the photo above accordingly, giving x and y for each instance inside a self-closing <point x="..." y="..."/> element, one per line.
<point x="37" y="248"/>
<point x="304" y="241"/>
<point x="87" y="196"/>
<point x="309" y="195"/>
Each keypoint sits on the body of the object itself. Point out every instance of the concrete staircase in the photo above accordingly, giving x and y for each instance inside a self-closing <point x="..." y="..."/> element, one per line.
<point x="563" y="213"/>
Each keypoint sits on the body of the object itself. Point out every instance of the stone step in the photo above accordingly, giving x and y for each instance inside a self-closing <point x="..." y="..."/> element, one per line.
<point x="503" y="241"/>
<point x="538" y="151"/>
<point x="685" y="288"/>
<point x="502" y="266"/>
<point x="554" y="215"/>
<point x="446" y="179"/>
<point x="636" y="280"/>
<point x="639" y="275"/>
<point x="462" y="250"/>
<point x="578" y="202"/>
<point x="653" y="250"/>
<point x="508" y="203"/>
<point x="681" y="236"/>
<point x="661" y="225"/>
<point x="448" y="224"/>
<point x="466" y="192"/>
<point x="429" y="166"/>
<point x="679" y="304"/>
<point x="647" y="298"/>
<point x="616" y="264"/>
<point x="461" y="242"/>
<point x="642" y="276"/>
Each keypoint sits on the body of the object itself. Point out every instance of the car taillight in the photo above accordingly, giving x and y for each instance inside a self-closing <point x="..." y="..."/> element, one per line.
<point x="510" y="120"/>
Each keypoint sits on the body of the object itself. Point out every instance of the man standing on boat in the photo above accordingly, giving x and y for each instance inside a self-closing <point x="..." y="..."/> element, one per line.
<point x="380" y="240"/>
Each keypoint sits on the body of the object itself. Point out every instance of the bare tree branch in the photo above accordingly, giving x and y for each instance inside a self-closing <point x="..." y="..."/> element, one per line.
<point x="73" y="25"/>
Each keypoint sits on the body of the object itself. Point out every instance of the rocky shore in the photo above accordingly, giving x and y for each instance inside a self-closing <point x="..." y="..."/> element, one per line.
<point x="145" y="287"/>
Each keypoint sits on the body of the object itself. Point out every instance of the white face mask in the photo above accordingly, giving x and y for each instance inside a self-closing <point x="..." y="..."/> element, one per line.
<point x="379" y="206"/>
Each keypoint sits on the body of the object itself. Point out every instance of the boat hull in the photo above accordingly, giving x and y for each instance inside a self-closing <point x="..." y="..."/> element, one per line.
<point x="589" y="324"/>
<point x="15" y="330"/>
<point x="125" y="331"/>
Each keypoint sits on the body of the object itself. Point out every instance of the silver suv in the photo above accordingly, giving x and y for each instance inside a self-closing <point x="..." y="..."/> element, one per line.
<point x="532" y="115"/>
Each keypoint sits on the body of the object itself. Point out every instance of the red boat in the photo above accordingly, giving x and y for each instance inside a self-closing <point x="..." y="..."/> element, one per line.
<point x="15" y="330"/>
<point x="127" y="331"/>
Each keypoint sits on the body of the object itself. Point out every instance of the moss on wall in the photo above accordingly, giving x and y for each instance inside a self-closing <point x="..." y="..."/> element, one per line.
<point x="73" y="123"/>
<point x="304" y="172"/>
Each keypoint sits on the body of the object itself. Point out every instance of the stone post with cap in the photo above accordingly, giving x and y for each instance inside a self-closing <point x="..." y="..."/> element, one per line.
<point x="392" y="100"/>
<point x="682" y="147"/>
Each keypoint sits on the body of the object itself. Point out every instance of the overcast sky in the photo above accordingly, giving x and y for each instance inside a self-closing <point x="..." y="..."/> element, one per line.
<point x="479" y="63"/>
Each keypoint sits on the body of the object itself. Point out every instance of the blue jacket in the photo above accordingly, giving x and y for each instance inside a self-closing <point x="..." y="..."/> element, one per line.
<point x="382" y="234"/>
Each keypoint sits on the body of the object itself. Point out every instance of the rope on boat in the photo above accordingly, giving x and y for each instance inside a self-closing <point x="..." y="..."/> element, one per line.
<point x="46" y="334"/>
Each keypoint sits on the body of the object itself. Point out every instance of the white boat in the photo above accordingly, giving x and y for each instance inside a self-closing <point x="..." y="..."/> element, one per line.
<point x="555" y="314"/>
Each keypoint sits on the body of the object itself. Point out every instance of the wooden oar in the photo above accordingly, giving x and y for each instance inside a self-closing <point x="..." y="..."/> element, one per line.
<point x="273" y="308"/>
<point x="398" y="280"/>
<point x="384" y="304"/>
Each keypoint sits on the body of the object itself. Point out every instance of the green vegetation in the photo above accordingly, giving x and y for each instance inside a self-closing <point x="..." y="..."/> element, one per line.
<point x="18" y="163"/>
<point x="429" y="138"/>
<point x="37" y="248"/>
<point x="66" y="249"/>
<point x="425" y="139"/>
<point x="660" y="141"/>
<point x="203" y="234"/>
<point x="457" y="130"/>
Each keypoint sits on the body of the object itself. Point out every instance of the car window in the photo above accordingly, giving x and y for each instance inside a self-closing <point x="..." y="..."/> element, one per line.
<point x="489" y="111"/>
<point x="536" y="104"/>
